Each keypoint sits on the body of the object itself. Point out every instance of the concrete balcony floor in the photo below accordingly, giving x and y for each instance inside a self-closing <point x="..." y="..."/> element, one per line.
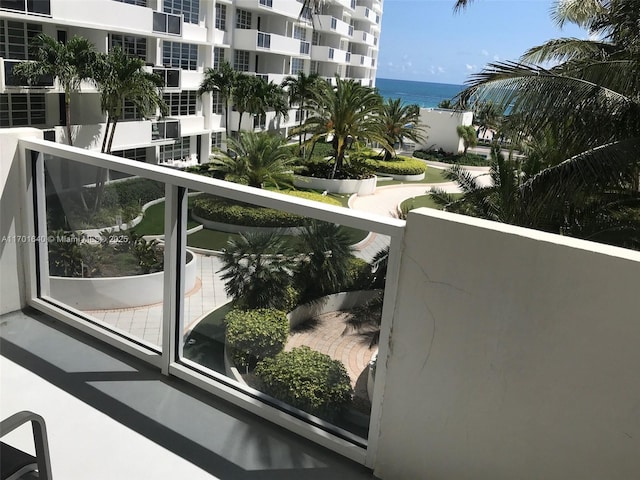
<point x="111" y="416"/>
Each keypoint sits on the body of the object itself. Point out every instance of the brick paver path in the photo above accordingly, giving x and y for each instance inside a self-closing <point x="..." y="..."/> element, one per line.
<point x="326" y="334"/>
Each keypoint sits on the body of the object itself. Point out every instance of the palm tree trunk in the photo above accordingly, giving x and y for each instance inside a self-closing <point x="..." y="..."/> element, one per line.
<point x="240" y="122"/>
<point x="104" y="173"/>
<point x="226" y="116"/>
<point x="67" y="113"/>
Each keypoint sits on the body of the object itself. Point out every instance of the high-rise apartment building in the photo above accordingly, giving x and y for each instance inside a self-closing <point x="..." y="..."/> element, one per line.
<point x="179" y="39"/>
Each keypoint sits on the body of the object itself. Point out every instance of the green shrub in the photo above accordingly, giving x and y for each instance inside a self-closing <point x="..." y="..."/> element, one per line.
<point x="221" y="210"/>
<point x="255" y="335"/>
<point x="398" y="166"/>
<point x="359" y="271"/>
<point x="315" y="196"/>
<point x="444" y="157"/>
<point x="308" y="380"/>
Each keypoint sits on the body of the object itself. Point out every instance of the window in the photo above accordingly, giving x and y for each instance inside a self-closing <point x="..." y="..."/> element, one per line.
<point x="22" y="109"/>
<point x="180" y="55"/>
<point x="41" y="7"/>
<point x="266" y="3"/>
<point x="221" y="16"/>
<point x="167" y="23"/>
<point x="297" y="65"/>
<point x="314" y="67"/>
<point x="180" y="149"/>
<point x="216" y="140"/>
<point x="130" y="112"/>
<point x="218" y="104"/>
<point x="133" y="46"/>
<point x="189" y="8"/>
<point x="218" y="57"/>
<point x="299" y="33"/>
<point x="15" y="38"/>
<point x="259" y="121"/>
<point x="140" y="3"/>
<point x="181" y="103"/>
<point x="243" y="19"/>
<point x="138" y="154"/>
<point x="315" y="38"/>
<point x="241" y="60"/>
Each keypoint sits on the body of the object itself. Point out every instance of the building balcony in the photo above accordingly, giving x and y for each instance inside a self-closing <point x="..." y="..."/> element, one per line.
<point x="287" y="8"/>
<point x="360" y="36"/>
<point x="9" y="81"/>
<point x="328" y="54"/>
<point x="366" y="13"/>
<point x="357" y="60"/>
<point x="330" y="24"/>
<point x="261" y="41"/>
<point x="121" y="16"/>
<point x="495" y="342"/>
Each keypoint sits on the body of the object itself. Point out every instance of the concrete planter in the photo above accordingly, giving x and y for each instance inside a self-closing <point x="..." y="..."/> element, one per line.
<point x="116" y="292"/>
<point x="403" y="178"/>
<point x="362" y="187"/>
<point x="231" y="228"/>
<point x="330" y="303"/>
<point x="371" y="376"/>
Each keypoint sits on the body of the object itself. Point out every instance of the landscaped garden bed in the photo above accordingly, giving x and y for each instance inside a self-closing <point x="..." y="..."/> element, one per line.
<point x="469" y="159"/>
<point x="399" y="168"/>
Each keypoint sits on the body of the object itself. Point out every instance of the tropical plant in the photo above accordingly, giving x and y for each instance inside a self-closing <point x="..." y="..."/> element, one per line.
<point x="308" y="380"/>
<point x="468" y="135"/>
<point x="257" y="160"/>
<point x="275" y="99"/>
<point x="120" y="78"/>
<point x="347" y="112"/>
<point x="300" y="90"/>
<point x="590" y="100"/>
<point x="221" y="80"/>
<point x="448" y="104"/>
<point x="257" y="271"/>
<point x="70" y="63"/>
<point x="247" y="96"/>
<point x="325" y="269"/>
<point x="254" y="335"/>
<point x="486" y="116"/>
<point x="400" y="122"/>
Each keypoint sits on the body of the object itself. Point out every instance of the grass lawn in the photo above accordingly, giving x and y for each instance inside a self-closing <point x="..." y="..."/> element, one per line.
<point x="425" y="201"/>
<point x="153" y="220"/>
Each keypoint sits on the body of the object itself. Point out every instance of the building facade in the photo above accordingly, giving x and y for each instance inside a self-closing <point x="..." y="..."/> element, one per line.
<point x="179" y="39"/>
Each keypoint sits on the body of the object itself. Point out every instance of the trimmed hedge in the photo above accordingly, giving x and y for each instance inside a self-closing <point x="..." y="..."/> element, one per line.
<point x="308" y="380"/>
<point x="444" y="157"/>
<point x="254" y="335"/>
<point x="398" y="166"/>
<point x="222" y="210"/>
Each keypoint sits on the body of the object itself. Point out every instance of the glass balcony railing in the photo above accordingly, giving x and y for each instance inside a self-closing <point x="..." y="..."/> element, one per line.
<point x="263" y="40"/>
<point x="165" y="129"/>
<point x="170" y="76"/>
<point x="267" y="3"/>
<point x="147" y="258"/>
<point x="34" y="7"/>
<point x="167" y="23"/>
<point x="305" y="47"/>
<point x="11" y="80"/>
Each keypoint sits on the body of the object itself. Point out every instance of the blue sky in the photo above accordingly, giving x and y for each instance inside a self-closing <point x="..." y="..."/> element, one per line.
<point x="424" y="40"/>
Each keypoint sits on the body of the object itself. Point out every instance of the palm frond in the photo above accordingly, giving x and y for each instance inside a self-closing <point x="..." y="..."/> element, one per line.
<point x="566" y="49"/>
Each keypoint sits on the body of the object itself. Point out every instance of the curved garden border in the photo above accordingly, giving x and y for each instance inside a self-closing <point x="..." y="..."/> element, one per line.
<point x="366" y="186"/>
<point x="403" y="178"/>
<point x="117" y="292"/>
<point x="232" y="228"/>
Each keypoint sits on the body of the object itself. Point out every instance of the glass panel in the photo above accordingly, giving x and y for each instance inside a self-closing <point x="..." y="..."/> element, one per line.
<point x="39" y="6"/>
<point x="173" y="78"/>
<point x="99" y="261"/>
<point x="174" y="24"/>
<point x="159" y="22"/>
<point x="261" y="258"/>
<point x="13" y="4"/>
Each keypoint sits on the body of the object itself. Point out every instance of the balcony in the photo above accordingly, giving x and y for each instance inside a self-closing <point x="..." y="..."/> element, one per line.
<point x="329" y="24"/>
<point x="170" y="76"/>
<point x="167" y="23"/>
<point x="365" y="13"/>
<point x="287" y="8"/>
<point x="328" y="54"/>
<point x="256" y="40"/>
<point x="361" y="61"/>
<point x="483" y="345"/>
<point x="8" y="80"/>
<point x="360" y="36"/>
<point x="165" y="129"/>
<point x="29" y="7"/>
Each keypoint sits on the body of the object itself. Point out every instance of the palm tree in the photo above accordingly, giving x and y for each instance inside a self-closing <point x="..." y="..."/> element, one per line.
<point x="468" y="135"/>
<point x="259" y="159"/>
<point x="257" y="270"/>
<point x="486" y="116"/>
<point x="300" y="89"/>
<point x="246" y="96"/>
<point x="275" y="99"/>
<point x="221" y="80"/>
<point x="448" y="104"/>
<point x="591" y="101"/>
<point x="347" y="112"/>
<point x="325" y="269"/>
<point x="119" y="78"/>
<point x="70" y="63"/>
<point x="400" y="122"/>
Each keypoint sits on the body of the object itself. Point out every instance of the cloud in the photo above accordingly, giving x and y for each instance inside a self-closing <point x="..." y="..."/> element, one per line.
<point x="405" y="57"/>
<point x="432" y="69"/>
<point x="409" y="64"/>
<point x="471" y="67"/>
<point x="496" y="58"/>
<point x="389" y="64"/>
<point x="484" y="53"/>
<point x="440" y="69"/>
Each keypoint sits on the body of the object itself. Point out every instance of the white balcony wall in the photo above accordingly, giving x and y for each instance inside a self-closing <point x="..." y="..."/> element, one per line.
<point x="324" y="23"/>
<point x="322" y="54"/>
<point x="360" y="60"/>
<point x="221" y="37"/>
<point x="216" y="122"/>
<point x="365" y="13"/>
<point x="288" y="8"/>
<point x="191" y="125"/>
<point x="514" y="355"/>
<point x="360" y="36"/>
<point x="193" y="33"/>
<point x="190" y="79"/>
<point x="442" y="128"/>
<point x="121" y="15"/>
<point x="129" y="134"/>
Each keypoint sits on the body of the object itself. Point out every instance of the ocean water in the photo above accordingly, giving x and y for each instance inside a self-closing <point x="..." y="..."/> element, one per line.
<point x="424" y="94"/>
